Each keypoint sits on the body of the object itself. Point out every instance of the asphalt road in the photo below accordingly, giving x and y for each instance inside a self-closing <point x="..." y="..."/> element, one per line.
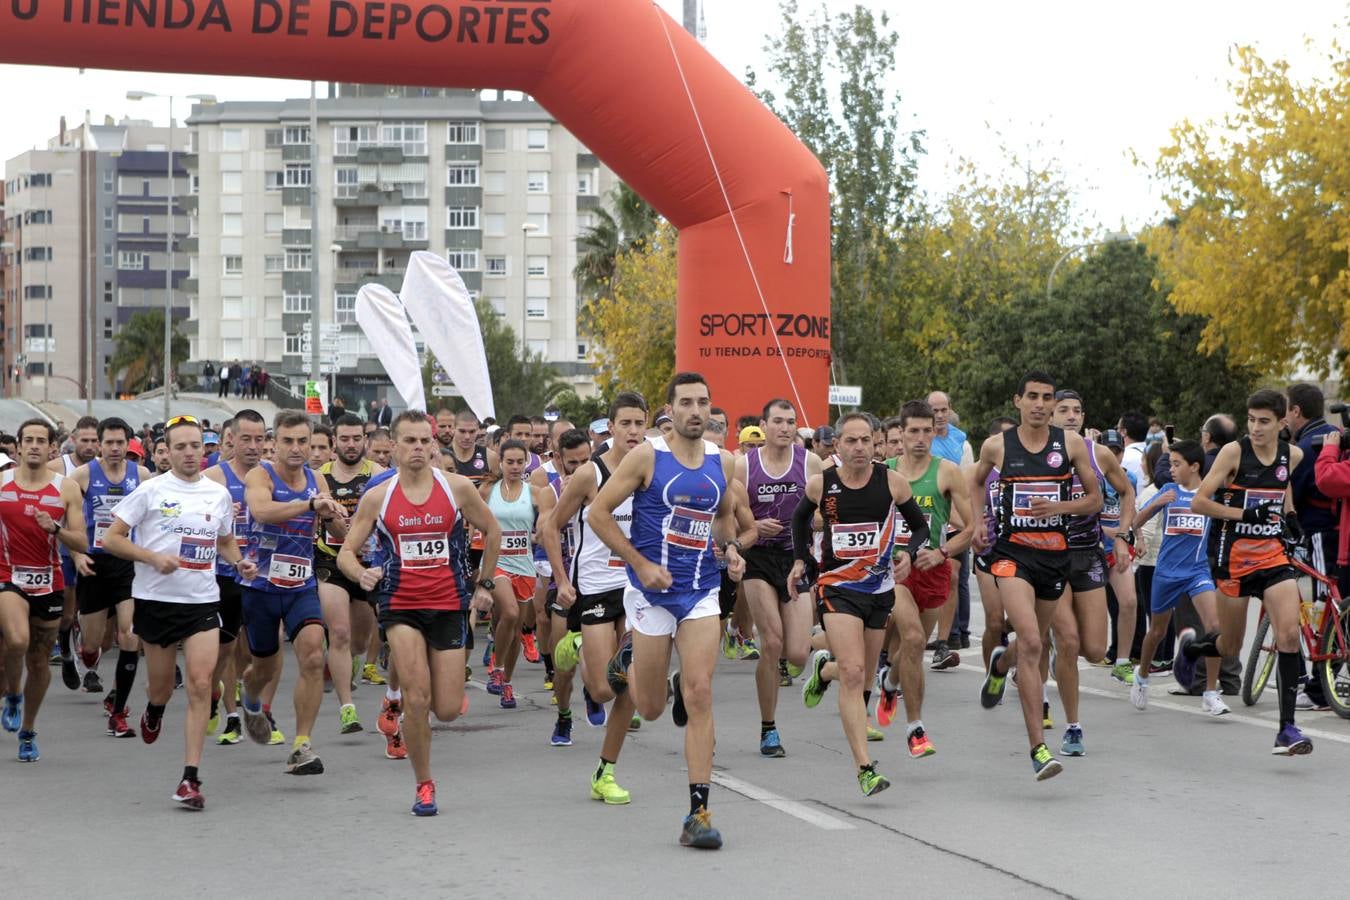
<point x="1166" y="801"/>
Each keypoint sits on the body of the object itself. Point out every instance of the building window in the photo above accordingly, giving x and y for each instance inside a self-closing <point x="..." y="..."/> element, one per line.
<point x="460" y="175"/>
<point x="536" y="307"/>
<point x="585" y="183"/>
<point x="536" y="266"/>
<point x="410" y="137"/>
<point x="494" y="224"/>
<point x="538" y="347"/>
<point x="272" y="138"/>
<point x="107" y="329"/>
<point x="273" y="264"/>
<point x="274" y="180"/>
<point x="272" y="223"/>
<point x="109" y="181"/>
<point x="462" y="133"/>
<point x="583" y="352"/>
<point x="344" y="308"/>
<point x="494" y="266"/>
<point x="297" y="175"/>
<point x="295" y="303"/>
<point x="494" y="182"/>
<point x="494" y="139"/>
<point x="232" y="225"/>
<point x="37" y="254"/>
<point x="296" y="134"/>
<point x="539" y="220"/>
<point x="463" y="260"/>
<point x="536" y="182"/>
<point x="107" y="292"/>
<point x="231" y="139"/>
<point x="234" y="265"/>
<point x="498" y="305"/>
<point x="231" y="182"/>
<point x="346" y="182"/>
<point x="231" y="308"/>
<point x="131" y="260"/>
<point x="297" y="260"/>
<point x="37" y="291"/>
<point x="293" y="344"/>
<point x="461" y="217"/>
<point x="347" y="139"/>
<point x="194" y="184"/>
<point x="536" y="139"/>
<point x="107" y="254"/>
<point x="37" y="331"/>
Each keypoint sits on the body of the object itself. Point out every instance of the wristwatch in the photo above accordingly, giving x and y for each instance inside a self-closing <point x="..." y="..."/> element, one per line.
<point x="733" y="543"/>
<point x="488" y="584"/>
<point x="1127" y="535"/>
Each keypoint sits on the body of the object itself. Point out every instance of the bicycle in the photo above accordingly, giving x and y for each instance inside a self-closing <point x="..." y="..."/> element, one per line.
<point x="1326" y="643"/>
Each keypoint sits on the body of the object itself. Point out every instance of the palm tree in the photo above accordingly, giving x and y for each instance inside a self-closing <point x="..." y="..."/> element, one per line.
<point x="632" y="221"/>
<point x="139" y="357"/>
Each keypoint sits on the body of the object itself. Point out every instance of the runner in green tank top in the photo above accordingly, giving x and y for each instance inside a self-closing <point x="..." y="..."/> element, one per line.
<point x="942" y="496"/>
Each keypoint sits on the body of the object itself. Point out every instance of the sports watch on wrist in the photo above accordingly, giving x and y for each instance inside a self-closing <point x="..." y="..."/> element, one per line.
<point x="487" y="584"/>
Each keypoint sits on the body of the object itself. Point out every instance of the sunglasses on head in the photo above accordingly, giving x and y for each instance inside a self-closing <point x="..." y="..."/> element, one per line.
<point x="182" y="420"/>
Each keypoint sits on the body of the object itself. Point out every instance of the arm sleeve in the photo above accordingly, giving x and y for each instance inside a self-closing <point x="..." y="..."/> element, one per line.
<point x="917" y="524"/>
<point x="801" y="530"/>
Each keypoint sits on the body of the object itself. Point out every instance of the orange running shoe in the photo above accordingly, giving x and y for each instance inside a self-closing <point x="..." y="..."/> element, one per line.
<point x="387" y="723"/>
<point x="528" y="647"/>
<point x="887" y="704"/>
<point x="394" y="747"/>
<point x="919" y="745"/>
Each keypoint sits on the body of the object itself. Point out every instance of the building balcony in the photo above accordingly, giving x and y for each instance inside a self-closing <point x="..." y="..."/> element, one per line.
<point x="188" y="285"/>
<point x="187" y="245"/>
<point x="295" y="196"/>
<point x="295" y="152"/>
<point x="463" y="152"/>
<point x="187" y="203"/>
<point x="588" y="201"/>
<point x="378" y="155"/>
<point x="371" y="195"/>
<point x="189" y="161"/>
<point x="296" y="237"/>
<point x="460" y="197"/>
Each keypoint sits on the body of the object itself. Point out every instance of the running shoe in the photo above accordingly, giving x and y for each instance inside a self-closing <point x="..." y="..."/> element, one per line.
<point x="562" y="732"/>
<point x="678" y="714"/>
<point x="464" y="704"/>
<point x="1183" y="665"/>
<point x="214" y="721"/>
<point x="888" y="700"/>
<point x="529" y="648"/>
<point x="1043" y="763"/>
<point x="394" y="748"/>
<point x="28" y="748"/>
<point x="12" y="717"/>
<point x="784" y="679"/>
<point x="548" y="686"/>
<point x="118" y="727"/>
<point x="257" y="724"/>
<point x="1213" y="704"/>
<point x="370" y="674"/>
<point x="1072" y="745"/>
<point x="794" y="671"/>
<point x="150" y="734"/>
<point x="1123" y="672"/>
<point x="1159" y="666"/>
<point x="814" y="687"/>
<point x="699" y="832"/>
<point x="177" y="676"/>
<point x="871" y="781"/>
<point x="617" y="671"/>
<point x="566" y="650"/>
<point x="496" y="678"/>
<point x="919" y="744"/>
<point x="604" y="787"/>
<point x="232" y="732"/>
<point x="1205" y="645"/>
<point x="1140" y="691"/>
<point x="771" y="745"/>
<point x="991" y="692"/>
<point x="875" y="734"/>
<point x="70" y="676"/>
<point x="1047" y="720"/>
<point x="304" y="761"/>
<point x="189" y="795"/>
<point x="595" y="712"/>
<point x="424" y="804"/>
<point x="390" y="710"/>
<point x="747" y="649"/>
<point x="347" y="716"/>
<point x="635" y="723"/>
<point x="108" y="700"/>
<point x="276" y="737"/>
<point x="92" y="684"/>
<point x="1291" y="742"/>
<point x="487" y="653"/>
<point x="729" y="641"/>
<point x="944" y="658"/>
<point x="508" y="698"/>
<point x="54" y="657"/>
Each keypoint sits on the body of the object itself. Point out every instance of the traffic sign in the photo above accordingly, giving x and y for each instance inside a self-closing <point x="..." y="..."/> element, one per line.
<point x="845" y="395"/>
<point x="445" y="390"/>
<point x="325" y="328"/>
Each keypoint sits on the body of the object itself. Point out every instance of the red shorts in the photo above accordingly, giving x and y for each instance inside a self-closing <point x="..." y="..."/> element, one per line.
<point x="929" y="587"/>
<point x="521" y="585"/>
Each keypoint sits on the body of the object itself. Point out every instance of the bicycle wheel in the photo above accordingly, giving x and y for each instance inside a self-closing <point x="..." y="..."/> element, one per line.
<point x="1260" y="664"/>
<point x="1335" y="671"/>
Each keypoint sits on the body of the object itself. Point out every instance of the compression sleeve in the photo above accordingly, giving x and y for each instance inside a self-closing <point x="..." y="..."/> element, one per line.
<point x="917" y="524"/>
<point x="801" y="530"/>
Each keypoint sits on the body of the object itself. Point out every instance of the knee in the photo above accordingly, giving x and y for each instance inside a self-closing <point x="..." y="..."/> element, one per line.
<point x="1286" y="636"/>
<point x="649" y="707"/>
<point x="416" y="700"/>
<point x="697" y="693"/>
<point x="339" y="635"/>
<point x="199" y="686"/>
<point x="446" y="711"/>
<point x="770" y="645"/>
<point x="509" y="615"/>
<point x="310" y="658"/>
<point x="17" y="638"/>
<point x="1028" y="649"/>
<point x="1067" y="646"/>
<point x="912" y="637"/>
<point x="851" y="676"/>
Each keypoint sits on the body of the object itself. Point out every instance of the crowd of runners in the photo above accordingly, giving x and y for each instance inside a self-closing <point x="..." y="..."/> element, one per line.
<point x="841" y="556"/>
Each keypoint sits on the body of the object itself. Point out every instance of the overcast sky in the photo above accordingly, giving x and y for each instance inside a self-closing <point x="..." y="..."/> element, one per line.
<point x="1088" y="82"/>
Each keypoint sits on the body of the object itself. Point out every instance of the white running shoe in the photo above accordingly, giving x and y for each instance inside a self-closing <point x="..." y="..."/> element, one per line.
<point x="1139" y="691"/>
<point x="1213" y="704"/>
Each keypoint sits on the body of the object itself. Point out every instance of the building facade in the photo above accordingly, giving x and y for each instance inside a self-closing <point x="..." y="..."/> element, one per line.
<point x="493" y="184"/>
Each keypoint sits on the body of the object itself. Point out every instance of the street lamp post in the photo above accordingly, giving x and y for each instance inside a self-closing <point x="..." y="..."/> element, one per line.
<point x="525" y="229"/>
<point x="1111" y="237"/>
<point x="205" y="100"/>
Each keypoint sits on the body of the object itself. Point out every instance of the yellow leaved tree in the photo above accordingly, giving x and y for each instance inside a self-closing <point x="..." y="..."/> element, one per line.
<point x="1260" y="230"/>
<point x="634" y="320"/>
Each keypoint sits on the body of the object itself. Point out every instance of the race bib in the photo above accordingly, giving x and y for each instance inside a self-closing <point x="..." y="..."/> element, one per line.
<point x="240" y="524"/>
<point x="34" y="580"/>
<point x="288" y="571"/>
<point x="424" y="551"/>
<point x="1023" y="493"/>
<point x="902" y="533"/>
<point x="860" y="540"/>
<point x="515" y="543"/>
<point x="196" y="554"/>
<point x="1257" y="497"/>
<point x="103" y="520"/>
<point x="689" y="528"/>
<point x="331" y="539"/>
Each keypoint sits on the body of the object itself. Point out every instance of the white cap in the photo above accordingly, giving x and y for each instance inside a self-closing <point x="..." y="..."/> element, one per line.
<point x="600" y="426"/>
<point x="5" y="461"/>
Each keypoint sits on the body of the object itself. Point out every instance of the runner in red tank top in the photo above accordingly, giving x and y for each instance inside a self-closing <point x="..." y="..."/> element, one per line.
<point x="420" y="518"/>
<point x="37" y="508"/>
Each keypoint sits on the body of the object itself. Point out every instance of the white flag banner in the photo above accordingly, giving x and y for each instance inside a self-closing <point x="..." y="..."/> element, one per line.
<point x="440" y="307"/>
<point x="382" y="318"/>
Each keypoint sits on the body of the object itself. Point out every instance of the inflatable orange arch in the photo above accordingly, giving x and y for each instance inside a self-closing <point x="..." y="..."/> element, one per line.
<point x="750" y="201"/>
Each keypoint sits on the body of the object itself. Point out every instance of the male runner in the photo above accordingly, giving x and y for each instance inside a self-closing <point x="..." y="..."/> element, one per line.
<point x="38" y="508"/>
<point x="321" y="447"/>
<point x="678" y="485"/>
<point x="589" y="603"/>
<point x="183" y="522"/>
<point x="104" y="586"/>
<point x="1247" y="495"/>
<point x="84" y="441"/>
<point x="343" y="601"/>
<point x="244" y="434"/>
<point x="419" y="515"/>
<point x="284" y="500"/>
<point x="1036" y="463"/>
<point x="380" y="446"/>
<point x="939" y="489"/>
<point x="775" y="476"/>
<point x="159" y="455"/>
<point x="855" y="590"/>
<point x="536" y="615"/>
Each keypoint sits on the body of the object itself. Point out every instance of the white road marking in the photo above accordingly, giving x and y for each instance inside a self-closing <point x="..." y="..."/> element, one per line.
<point x="803" y="811"/>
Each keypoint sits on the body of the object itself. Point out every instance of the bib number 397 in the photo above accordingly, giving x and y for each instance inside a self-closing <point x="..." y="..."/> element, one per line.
<point x="288" y="571"/>
<point x="856" y="541"/>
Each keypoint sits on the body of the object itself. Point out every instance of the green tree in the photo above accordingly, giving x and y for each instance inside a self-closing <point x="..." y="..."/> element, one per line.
<point x="138" y="360"/>
<point x="581" y="411"/>
<point x="632" y="220"/>
<point x="635" y="321"/>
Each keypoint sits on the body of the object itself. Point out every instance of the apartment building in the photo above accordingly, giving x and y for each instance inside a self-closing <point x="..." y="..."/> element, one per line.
<point x="491" y="182"/>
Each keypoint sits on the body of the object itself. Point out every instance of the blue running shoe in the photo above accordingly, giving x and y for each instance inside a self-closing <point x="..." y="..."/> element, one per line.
<point x="771" y="745"/>
<point x="595" y="712"/>
<point x="1183" y="666"/>
<point x="562" y="733"/>
<point x="28" y="748"/>
<point x="1043" y="765"/>
<point x="1291" y="742"/>
<point x="1073" y="743"/>
<point x="425" y="804"/>
<point x="12" y="717"/>
<point x="487" y="653"/>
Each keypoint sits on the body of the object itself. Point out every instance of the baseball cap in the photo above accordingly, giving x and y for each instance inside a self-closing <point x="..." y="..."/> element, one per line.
<point x="136" y="448"/>
<point x="751" y="433"/>
<point x="662" y="419"/>
<point x="210" y="437"/>
<point x="1112" y="438"/>
<point x="5" y="461"/>
<point x="824" y="435"/>
<point x="600" y="426"/>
